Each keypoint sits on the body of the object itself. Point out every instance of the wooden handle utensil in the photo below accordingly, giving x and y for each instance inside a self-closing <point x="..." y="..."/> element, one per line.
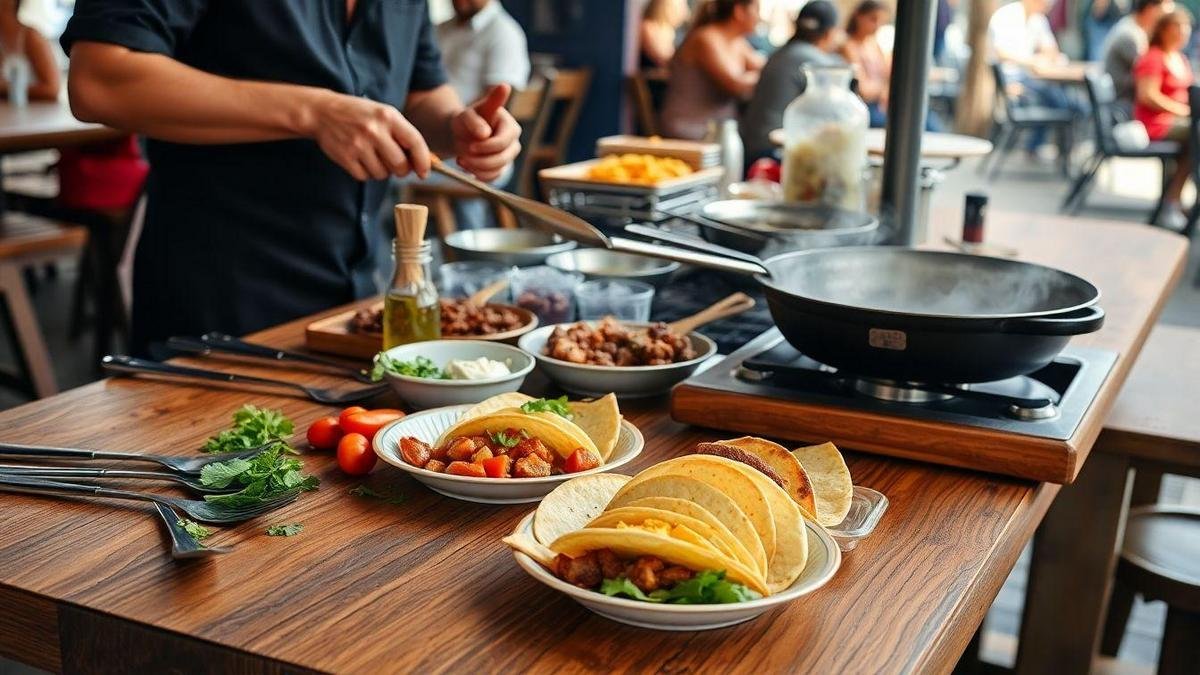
<point x="730" y="306"/>
<point x="480" y="297"/>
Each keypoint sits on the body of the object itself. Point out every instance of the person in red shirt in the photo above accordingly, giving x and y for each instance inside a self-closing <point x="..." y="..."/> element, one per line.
<point x="1162" y="77"/>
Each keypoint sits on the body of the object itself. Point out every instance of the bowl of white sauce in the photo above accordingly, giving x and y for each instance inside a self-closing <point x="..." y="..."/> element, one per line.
<point x="452" y="372"/>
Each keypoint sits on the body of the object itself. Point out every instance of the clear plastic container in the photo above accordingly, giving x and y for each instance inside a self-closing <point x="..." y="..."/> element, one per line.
<point x="545" y="291"/>
<point x="618" y="298"/>
<point x="825" y="151"/>
<point x="867" y="506"/>
<point x="459" y="280"/>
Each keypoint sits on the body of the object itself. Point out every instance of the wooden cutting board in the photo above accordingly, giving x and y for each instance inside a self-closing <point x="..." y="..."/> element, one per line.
<point x="332" y="335"/>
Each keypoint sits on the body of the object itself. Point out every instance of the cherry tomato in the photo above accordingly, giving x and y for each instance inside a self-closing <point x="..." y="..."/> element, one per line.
<point x="355" y="456"/>
<point x="370" y="421"/>
<point x="581" y="460"/>
<point x="325" y="433"/>
<point x="352" y="410"/>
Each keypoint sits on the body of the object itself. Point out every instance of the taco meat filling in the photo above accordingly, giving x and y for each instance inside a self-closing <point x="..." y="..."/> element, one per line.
<point x="512" y="453"/>
<point x="647" y="572"/>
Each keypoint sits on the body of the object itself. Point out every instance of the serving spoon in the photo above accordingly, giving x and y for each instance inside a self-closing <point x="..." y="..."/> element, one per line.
<point x="730" y="306"/>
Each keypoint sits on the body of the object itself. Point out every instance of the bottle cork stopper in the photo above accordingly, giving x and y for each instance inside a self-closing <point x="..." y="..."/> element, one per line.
<point x="411" y="220"/>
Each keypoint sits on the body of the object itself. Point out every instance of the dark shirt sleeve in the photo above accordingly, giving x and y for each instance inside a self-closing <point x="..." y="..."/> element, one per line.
<point x="141" y="25"/>
<point x="427" y="66"/>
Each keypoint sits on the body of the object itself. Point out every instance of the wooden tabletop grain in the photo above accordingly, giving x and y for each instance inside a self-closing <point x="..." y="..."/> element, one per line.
<point x="427" y="585"/>
<point x="42" y="125"/>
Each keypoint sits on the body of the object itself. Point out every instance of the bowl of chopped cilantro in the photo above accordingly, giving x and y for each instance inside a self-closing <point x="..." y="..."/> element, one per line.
<point x="451" y="372"/>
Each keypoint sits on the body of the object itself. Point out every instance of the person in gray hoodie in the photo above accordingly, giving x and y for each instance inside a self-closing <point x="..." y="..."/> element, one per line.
<point x="814" y="44"/>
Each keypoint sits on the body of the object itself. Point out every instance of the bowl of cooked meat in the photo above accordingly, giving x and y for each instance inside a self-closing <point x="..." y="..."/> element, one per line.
<point x="463" y="320"/>
<point x="627" y="358"/>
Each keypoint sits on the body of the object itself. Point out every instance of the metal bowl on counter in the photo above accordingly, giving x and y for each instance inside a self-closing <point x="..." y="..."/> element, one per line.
<point x="598" y="263"/>
<point x="519" y="247"/>
<point x="767" y="228"/>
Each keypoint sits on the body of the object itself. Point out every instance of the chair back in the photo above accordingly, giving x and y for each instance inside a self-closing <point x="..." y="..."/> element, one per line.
<point x="567" y="94"/>
<point x="1194" y="132"/>
<point x="1007" y="100"/>
<point x="1106" y="112"/>
<point x="531" y="107"/>
<point x="643" y="105"/>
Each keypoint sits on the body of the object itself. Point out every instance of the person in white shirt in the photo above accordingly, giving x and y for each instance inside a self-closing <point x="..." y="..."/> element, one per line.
<point x="1019" y="36"/>
<point x="483" y="46"/>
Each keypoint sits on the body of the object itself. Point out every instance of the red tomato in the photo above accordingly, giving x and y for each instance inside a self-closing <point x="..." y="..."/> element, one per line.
<point x="497" y="467"/>
<point x="355" y="456"/>
<point x="581" y="460"/>
<point x="352" y="410"/>
<point x="325" y="433"/>
<point x="370" y="421"/>
<point x="466" y="469"/>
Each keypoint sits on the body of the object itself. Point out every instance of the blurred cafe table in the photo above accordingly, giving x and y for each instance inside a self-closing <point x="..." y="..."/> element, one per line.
<point x="39" y="126"/>
<point x="935" y="146"/>
<point x="1071" y="72"/>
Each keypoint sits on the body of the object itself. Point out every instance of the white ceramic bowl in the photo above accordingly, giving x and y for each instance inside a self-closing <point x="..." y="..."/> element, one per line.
<point x="624" y="381"/>
<point x="429" y="425"/>
<point x="824" y="559"/>
<point x="422" y="393"/>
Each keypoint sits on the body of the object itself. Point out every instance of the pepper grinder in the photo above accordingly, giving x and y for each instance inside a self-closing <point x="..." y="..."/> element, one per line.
<point x="410" y="308"/>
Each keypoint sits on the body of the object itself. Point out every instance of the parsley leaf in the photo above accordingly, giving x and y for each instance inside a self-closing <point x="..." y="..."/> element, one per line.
<point x="505" y="439"/>
<point x="262" y="477"/>
<point x="418" y="367"/>
<point x="251" y="428"/>
<point x="706" y="588"/>
<point x="288" y="530"/>
<point x="193" y="528"/>
<point x="368" y="493"/>
<point x="558" y="406"/>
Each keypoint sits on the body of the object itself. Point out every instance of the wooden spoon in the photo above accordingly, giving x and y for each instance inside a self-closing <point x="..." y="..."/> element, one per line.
<point x="730" y="306"/>
<point x="480" y="297"/>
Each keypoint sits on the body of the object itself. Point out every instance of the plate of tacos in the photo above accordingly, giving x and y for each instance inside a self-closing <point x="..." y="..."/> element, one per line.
<point x="511" y="448"/>
<point x="701" y="541"/>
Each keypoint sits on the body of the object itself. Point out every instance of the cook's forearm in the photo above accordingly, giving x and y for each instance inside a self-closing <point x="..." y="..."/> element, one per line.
<point x="431" y="112"/>
<point x="155" y="95"/>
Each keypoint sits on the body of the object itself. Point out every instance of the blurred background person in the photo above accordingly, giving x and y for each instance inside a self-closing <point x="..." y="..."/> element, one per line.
<point x="23" y="48"/>
<point x="1163" y="76"/>
<point x="714" y="69"/>
<point x="1099" y="17"/>
<point x="658" y="34"/>
<point x="482" y="46"/>
<point x="1125" y="44"/>
<point x="814" y="43"/>
<point x="872" y="67"/>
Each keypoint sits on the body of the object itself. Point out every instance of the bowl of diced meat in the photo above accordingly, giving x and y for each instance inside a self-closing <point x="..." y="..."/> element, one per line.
<point x="627" y="358"/>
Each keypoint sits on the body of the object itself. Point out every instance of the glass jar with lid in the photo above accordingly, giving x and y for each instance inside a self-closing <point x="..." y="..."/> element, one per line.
<point x="411" y="312"/>
<point x="825" y="147"/>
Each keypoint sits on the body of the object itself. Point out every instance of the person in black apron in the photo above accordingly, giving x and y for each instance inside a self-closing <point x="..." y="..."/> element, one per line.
<point x="273" y="129"/>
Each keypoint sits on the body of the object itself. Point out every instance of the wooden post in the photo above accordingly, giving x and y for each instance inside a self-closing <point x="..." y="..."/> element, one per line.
<point x="978" y="97"/>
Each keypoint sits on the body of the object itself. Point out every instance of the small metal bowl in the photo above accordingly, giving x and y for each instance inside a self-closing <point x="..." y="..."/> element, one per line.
<point x="598" y="263"/>
<point x="521" y="247"/>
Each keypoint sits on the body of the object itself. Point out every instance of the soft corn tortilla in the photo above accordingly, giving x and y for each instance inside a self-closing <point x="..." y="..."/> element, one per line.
<point x="797" y="483"/>
<point x="512" y="399"/>
<point x="557" y="433"/>
<point x="711" y="537"/>
<point x="727" y="476"/>
<point x="791" y="535"/>
<point x="694" y="510"/>
<point x="631" y="543"/>
<point x="572" y="504"/>
<point x="600" y="420"/>
<point x="706" y="496"/>
<point x="832" y="486"/>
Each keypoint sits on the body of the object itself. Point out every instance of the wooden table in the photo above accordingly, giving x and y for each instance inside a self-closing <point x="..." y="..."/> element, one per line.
<point x="43" y="125"/>
<point x="1153" y="427"/>
<point x="427" y="585"/>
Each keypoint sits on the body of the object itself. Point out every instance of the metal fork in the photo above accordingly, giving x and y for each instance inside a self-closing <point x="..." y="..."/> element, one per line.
<point x="183" y="544"/>
<point x="191" y="482"/>
<point x="205" y="512"/>
<point x="219" y="342"/>
<point x="130" y="365"/>
<point x="190" y="466"/>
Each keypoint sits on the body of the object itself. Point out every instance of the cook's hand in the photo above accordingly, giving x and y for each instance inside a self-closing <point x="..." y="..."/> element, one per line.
<point x="368" y="139"/>
<point x="486" y="135"/>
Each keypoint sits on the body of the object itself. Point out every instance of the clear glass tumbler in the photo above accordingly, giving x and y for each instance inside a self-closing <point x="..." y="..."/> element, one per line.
<point x="618" y="298"/>
<point x="545" y="291"/>
<point x="459" y="280"/>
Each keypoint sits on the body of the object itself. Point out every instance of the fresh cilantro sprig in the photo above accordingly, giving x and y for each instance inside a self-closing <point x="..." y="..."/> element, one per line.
<point x="193" y="528"/>
<point x="558" y="406"/>
<point x="288" y="530"/>
<point x="706" y="588"/>
<point x="505" y="439"/>
<point x="367" y="493"/>
<point x="252" y="427"/>
<point x="419" y="367"/>
<point x="264" y="476"/>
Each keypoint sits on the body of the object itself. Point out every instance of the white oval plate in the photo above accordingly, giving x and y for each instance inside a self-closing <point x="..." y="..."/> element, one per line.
<point x="428" y="425"/>
<point x="824" y="559"/>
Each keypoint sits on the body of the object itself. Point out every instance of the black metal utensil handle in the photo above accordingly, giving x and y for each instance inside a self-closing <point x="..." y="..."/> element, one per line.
<point x="40" y="486"/>
<point x="233" y="345"/>
<point x="47" y="452"/>
<point x="121" y="363"/>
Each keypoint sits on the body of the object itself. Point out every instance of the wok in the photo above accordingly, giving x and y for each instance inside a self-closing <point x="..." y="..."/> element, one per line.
<point x="913" y="315"/>
<point x="767" y="228"/>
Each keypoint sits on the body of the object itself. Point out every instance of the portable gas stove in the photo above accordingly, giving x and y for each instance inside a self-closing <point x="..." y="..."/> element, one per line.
<point x="1026" y="426"/>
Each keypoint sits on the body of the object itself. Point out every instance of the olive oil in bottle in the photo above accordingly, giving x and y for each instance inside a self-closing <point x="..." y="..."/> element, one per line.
<point x="410" y="308"/>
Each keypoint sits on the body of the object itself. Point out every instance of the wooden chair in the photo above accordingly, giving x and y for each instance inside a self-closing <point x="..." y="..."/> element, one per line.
<point x="568" y="94"/>
<point x="1194" y="147"/>
<point x="531" y="107"/>
<point x="644" y="112"/>
<point x="24" y="241"/>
